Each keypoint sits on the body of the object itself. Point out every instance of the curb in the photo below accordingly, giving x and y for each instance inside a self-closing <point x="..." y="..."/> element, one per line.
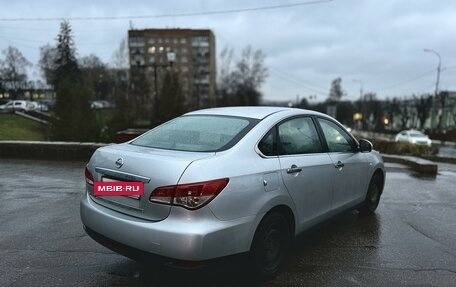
<point x="420" y="165"/>
<point x="440" y="159"/>
<point x="79" y="151"/>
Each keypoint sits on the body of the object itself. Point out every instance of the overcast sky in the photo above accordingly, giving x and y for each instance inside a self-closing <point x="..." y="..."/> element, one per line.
<point x="377" y="44"/>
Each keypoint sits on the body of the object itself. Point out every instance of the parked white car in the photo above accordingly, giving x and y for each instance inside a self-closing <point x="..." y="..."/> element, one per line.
<point x="18" y="105"/>
<point x="413" y="137"/>
<point x="39" y="107"/>
<point x="102" y="104"/>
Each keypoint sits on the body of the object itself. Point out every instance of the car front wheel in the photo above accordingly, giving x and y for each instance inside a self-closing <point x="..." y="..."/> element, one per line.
<point x="270" y="245"/>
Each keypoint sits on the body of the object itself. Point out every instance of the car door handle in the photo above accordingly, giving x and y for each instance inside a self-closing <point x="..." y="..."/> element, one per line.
<point x="339" y="164"/>
<point x="294" y="169"/>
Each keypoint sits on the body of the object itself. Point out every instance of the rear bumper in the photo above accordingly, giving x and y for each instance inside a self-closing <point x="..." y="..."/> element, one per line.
<point x="183" y="235"/>
<point x="125" y="250"/>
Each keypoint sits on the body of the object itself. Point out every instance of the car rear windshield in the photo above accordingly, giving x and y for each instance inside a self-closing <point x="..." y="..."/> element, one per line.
<point x="198" y="133"/>
<point x="416" y="135"/>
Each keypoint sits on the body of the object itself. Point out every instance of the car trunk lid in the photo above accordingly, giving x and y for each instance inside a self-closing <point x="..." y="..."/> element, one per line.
<point x="153" y="167"/>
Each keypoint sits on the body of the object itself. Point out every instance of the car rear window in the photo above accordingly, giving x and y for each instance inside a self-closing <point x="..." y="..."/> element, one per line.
<point x="416" y="135"/>
<point x="199" y="133"/>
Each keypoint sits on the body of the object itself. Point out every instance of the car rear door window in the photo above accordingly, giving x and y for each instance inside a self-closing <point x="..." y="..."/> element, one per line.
<point x="268" y="145"/>
<point x="298" y="136"/>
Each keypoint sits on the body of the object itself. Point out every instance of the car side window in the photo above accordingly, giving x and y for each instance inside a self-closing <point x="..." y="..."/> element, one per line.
<point x="337" y="139"/>
<point x="268" y="144"/>
<point x="298" y="136"/>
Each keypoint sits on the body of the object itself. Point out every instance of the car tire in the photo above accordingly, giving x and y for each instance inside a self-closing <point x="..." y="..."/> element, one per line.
<point x="270" y="245"/>
<point x="373" y="195"/>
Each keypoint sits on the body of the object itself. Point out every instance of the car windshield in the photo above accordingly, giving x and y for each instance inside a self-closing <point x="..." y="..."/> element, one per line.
<point x="198" y="133"/>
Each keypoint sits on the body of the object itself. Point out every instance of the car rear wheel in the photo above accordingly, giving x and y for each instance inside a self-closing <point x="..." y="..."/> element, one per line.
<point x="270" y="245"/>
<point x="373" y="196"/>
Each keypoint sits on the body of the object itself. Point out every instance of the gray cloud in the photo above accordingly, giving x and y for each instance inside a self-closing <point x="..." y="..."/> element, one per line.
<point x="377" y="42"/>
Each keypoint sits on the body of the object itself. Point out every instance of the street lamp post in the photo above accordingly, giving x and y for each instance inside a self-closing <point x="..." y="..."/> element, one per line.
<point x="438" y="70"/>
<point x="171" y="57"/>
<point x="437" y="87"/>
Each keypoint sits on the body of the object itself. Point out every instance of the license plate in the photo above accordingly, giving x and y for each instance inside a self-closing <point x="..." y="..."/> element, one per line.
<point x="111" y="187"/>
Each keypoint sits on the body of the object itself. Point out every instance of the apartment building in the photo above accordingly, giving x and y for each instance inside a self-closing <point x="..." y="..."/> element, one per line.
<point x="194" y="61"/>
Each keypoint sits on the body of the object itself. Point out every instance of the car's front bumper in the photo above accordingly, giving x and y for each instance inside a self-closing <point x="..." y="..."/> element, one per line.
<point x="183" y="235"/>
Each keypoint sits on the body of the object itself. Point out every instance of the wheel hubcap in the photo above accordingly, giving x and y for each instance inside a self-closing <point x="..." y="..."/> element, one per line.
<point x="272" y="246"/>
<point x="374" y="194"/>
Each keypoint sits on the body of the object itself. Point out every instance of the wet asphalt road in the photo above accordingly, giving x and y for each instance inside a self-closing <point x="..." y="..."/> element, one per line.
<point x="411" y="241"/>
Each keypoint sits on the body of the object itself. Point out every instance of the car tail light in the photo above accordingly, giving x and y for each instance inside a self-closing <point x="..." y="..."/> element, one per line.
<point x="88" y="176"/>
<point x="190" y="196"/>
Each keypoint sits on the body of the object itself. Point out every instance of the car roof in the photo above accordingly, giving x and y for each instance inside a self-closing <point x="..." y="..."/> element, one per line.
<point x="411" y="131"/>
<point x="257" y="112"/>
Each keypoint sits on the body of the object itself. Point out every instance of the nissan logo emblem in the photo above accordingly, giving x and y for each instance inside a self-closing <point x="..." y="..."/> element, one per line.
<point x="119" y="162"/>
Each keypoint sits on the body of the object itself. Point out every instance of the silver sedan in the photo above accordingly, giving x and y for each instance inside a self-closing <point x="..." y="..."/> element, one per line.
<point x="225" y="181"/>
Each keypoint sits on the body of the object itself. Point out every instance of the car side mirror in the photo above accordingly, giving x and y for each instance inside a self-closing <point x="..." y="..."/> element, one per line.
<point x="365" y="146"/>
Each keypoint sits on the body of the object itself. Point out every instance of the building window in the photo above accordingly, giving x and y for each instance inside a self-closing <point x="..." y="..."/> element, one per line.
<point x="136" y="42"/>
<point x="183" y="40"/>
<point x="136" y="51"/>
<point x="151" y="50"/>
<point x="200" y="41"/>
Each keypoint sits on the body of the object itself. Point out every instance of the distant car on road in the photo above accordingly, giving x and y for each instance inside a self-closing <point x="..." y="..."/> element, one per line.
<point x="17" y="105"/>
<point x="413" y="137"/>
<point x="101" y="104"/>
<point x="47" y="105"/>
<point x="223" y="181"/>
<point x="96" y="105"/>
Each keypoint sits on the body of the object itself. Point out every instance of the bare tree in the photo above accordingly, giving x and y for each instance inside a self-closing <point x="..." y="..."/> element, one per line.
<point x="404" y="113"/>
<point x="239" y="84"/>
<point x="48" y="56"/>
<point x="171" y="97"/>
<point x="336" y="92"/>
<point x="250" y="68"/>
<point x="95" y="77"/>
<point x="423" y="108"/>
<point x="225" y="77"/>
<point x="13" y="70"/>
<point x="393" y="109"/>
<point x="126" y="109"/>
<point x="372" y="111"/>
<point x="120" y="58"/>
<point x="120" y="73"/>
